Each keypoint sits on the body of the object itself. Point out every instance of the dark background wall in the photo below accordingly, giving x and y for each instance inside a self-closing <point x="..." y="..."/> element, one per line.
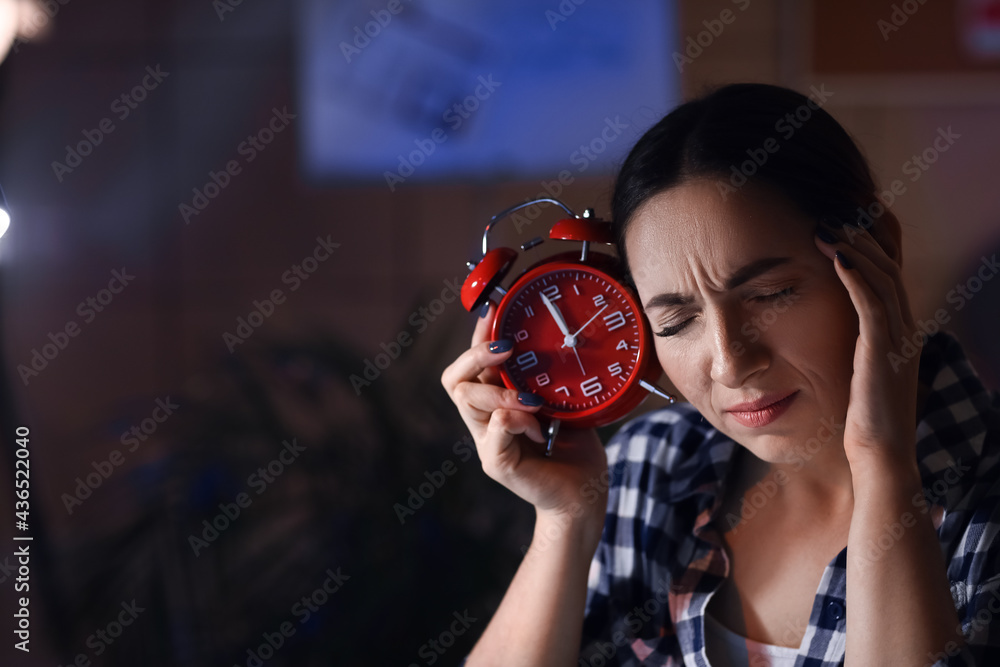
<point x="329" y="516"/>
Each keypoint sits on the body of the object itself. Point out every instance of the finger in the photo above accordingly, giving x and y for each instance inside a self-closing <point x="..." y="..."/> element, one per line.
<point x="477" y="402"/>
<point x="471" y="363"/>
<point x="862" y="240"/>
<point x="483" y="324"/>
<point x="881" y="300"/>
<point x="874" y="296"/>
<point x="499" y="449"/>
<point x="482" y="333"/>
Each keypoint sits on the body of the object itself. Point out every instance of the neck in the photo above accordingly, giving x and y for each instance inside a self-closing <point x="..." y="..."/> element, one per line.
<point x="815" y="484"/>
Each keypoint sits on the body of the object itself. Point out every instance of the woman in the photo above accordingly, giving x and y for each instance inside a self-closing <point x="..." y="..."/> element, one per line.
<point x="828" y="494"/>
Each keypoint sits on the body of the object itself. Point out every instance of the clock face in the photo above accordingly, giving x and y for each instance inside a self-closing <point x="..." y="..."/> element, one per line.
<point x="579" y="339"/>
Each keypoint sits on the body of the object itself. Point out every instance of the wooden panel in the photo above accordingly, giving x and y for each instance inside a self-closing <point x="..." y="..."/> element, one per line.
<point x="891" y="36"/>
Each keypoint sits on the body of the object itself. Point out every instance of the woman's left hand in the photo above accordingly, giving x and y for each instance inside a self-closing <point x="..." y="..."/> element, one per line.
<point x="881" y="415"/>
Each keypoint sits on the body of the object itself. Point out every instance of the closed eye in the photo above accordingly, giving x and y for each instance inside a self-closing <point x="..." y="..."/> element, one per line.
<point x="670" y="331"/>
<point x="666" y="332"/>
<point x="776" y="296"/>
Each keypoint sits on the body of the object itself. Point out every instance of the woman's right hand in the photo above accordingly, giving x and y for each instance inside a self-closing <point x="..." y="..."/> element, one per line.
<point x="511" y="443"/>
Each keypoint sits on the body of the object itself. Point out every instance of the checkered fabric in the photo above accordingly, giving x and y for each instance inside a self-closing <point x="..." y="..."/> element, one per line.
<point x="659" y="561"/>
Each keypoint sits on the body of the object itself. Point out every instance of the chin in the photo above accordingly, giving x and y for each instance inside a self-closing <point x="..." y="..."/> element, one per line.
<point x="791" y="448"/>
<point x="776" y="449"/>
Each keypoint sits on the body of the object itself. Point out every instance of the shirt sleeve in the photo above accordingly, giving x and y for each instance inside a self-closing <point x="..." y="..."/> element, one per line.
<point x="597" y="611"/>
<point x="615" y="581"/>
<point x="977" y="598"/>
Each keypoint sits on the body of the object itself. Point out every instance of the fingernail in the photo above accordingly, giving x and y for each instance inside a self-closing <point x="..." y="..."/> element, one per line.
<point x="844" y="262"/>
<point x="529" y="399"/>
<point x="825" y="236"/>
<point x="485" y="309"/>
<point x="499" y="346"/>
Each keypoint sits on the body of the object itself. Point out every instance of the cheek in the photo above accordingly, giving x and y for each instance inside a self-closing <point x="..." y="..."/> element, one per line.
<point x="819" y="335"/>
<point x="830" y="321"/>
<point x="680" y="363"/>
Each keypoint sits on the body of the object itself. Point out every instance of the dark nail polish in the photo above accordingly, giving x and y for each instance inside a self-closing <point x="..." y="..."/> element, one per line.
<point x="485" y="309"/>
<point x="844" y="262"/>
<point x="499" y="346"/>
<point x="825" y="236"/>
<point x="531" y="400"/>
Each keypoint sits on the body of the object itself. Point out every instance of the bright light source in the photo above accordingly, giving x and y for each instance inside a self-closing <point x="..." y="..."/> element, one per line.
<point x="4" y="213"/>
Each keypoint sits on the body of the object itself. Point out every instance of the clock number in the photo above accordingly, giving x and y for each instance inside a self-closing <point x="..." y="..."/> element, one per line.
<point x="615" y="320"/>
<point x="526" y="360"/>
<point x="622" y="345"/>
<point x="552" y="292"/>
<point x="521" y="335"/>
<point x="528" y="311"/>
<point x="563" y="388"/>
<point x="615" y="369"/>
<point x="599" y="301"/>
<point x="542" y="380"/>
<point x="591" y="386"/>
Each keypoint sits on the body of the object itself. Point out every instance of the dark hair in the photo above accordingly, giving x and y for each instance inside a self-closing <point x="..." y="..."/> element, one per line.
<point x="744" y="134"/>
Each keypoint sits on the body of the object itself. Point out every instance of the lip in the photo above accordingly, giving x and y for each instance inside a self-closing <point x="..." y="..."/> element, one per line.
<point x="763" y="411"/>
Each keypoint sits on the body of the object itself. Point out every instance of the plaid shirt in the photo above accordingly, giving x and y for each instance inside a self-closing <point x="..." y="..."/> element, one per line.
<point x="659" y="562"/>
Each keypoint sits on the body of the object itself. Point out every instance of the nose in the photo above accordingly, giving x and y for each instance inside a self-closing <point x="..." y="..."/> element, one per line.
<point x="735" y="354"/>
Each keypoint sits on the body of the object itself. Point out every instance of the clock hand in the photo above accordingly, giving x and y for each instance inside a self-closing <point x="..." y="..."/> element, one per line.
<point x="568" y="339"/>
<point x="578" y="359"/>
<point x="587" y="324"/>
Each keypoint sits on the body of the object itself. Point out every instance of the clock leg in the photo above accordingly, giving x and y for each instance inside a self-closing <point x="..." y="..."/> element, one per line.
<point x="553" y="430"/>
<point x="653" y="389"/>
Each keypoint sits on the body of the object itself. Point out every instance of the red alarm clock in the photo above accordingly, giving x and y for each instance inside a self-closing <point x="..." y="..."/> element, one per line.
<point x="581" y="341"/>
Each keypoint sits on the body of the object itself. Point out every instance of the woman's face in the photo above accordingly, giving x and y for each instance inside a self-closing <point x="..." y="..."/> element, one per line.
<point x="748" y="308"/>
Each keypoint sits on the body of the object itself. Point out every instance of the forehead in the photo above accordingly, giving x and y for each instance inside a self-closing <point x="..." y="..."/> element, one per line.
<point x="697" y="223"/>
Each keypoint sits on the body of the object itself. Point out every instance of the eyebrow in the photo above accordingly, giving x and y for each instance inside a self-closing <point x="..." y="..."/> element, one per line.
<point x="740" y="276"/>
